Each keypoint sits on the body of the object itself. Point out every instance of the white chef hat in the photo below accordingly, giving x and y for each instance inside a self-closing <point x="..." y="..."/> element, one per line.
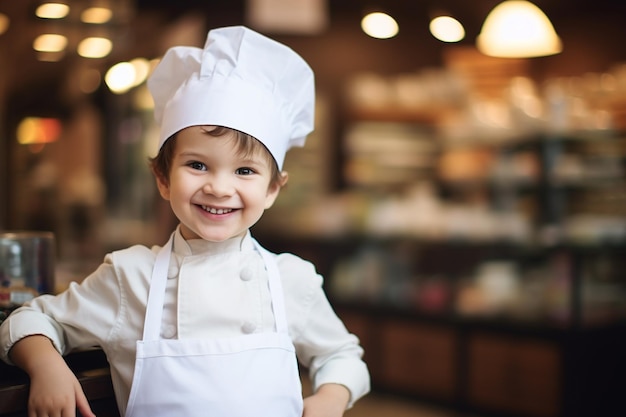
<point x="241" y="80"/>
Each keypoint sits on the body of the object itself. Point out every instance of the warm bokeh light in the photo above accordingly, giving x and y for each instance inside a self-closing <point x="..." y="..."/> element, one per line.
<point x="50" y="42"/>
<point x="95" y="47"/>
<point x="142" y="69"/>
<point x="142" y="99"/>
<point x="379" y="25"/>
<point x="4" y="23"/>
<point x="52" y="10"/>
<point x="120" y="77"/>
<point x="518" y="29"/>
<point x="96" y="15"/>
<point x="123" y="76"/>
<point x="447" y="29"/>
<point x="33" y="130"/>
<point x="153" y="64"/>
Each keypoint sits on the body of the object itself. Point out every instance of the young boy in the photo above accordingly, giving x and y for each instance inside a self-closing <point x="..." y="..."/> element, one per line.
<point x="211" y="323"/>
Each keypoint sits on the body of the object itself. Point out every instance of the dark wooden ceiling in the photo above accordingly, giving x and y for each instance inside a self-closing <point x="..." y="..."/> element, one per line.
<point x="23" y="77"/>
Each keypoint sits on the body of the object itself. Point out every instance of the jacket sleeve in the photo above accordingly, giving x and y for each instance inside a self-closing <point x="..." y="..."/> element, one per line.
<point x="323" y="344"/>
<point x="80" y="317"/>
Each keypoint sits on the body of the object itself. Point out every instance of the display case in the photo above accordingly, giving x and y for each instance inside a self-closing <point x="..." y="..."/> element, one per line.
<point x="496" y="288"/>
<point x="481" y="267"/>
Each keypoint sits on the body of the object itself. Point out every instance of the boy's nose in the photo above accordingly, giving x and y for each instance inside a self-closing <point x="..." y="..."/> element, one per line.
<point x="218" y="186"/>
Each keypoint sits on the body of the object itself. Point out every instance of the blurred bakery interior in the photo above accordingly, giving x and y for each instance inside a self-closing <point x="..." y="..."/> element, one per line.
<point x="464" y="198"/>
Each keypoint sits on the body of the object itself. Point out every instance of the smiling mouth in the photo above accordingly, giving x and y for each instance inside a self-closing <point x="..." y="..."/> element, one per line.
<point x="213" y="210"/>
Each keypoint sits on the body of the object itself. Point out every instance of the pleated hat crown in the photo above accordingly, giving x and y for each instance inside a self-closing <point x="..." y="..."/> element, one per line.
<point x="241" y="80"/>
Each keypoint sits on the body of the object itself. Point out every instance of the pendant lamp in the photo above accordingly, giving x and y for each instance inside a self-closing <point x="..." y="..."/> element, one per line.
<point x="518" y="29"/>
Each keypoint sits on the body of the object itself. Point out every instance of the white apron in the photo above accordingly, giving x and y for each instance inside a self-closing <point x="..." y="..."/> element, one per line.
<point x="243" y="376"/>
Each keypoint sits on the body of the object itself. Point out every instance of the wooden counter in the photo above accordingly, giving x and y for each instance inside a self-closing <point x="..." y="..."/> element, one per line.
<point x="92" y="370"/>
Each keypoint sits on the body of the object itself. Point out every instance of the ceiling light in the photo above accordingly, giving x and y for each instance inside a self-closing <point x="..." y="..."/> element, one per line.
<point x="52" y="10"/>
<point x="518" y="29"/>
<point x="142" y="68"/>
<point x="379" y="25"/>
<point x="120" y="77"/>
<point x="447" y="29"/>
<point x="50" y="42"/>
<point x="4" y="23"/>
<point x="94" y="47"/>
<point x="96" y="15"/>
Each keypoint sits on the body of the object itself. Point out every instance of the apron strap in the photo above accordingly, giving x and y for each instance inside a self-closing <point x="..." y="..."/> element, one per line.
<point x="156" y="295"/>
<point x="276" y="288"/>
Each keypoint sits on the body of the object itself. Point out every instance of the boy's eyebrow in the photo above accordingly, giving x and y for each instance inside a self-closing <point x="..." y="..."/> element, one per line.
<point x="190" y="154"/>
<point x="252" y="161"/>
<point x="191" y="151"/>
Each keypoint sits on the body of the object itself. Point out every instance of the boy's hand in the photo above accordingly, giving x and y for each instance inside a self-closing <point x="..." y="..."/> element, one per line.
<point x="54" y="389"/>
<point x="330" y="400"/>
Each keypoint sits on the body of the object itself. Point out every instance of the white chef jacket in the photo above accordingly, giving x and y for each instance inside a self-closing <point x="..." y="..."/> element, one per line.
<point x="214" y="289"/>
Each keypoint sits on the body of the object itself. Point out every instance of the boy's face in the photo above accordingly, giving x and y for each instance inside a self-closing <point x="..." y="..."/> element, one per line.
<point x="216" y="192"/>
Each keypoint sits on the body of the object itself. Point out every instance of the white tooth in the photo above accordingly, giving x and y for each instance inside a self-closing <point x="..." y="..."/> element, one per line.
<point x="216" y="211"/>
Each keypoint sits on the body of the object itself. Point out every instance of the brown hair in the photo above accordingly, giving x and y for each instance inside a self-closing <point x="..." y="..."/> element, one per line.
<point x="246" y="145"/>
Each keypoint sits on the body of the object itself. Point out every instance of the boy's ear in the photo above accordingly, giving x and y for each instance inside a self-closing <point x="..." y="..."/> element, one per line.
<point x="284" y="177"/>
<point x="163" y="186"/>
<point x="274" y="189"/>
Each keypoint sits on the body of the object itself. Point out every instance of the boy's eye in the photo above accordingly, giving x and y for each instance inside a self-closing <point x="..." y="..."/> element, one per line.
<point x="197" y="165"/>
<point x="244" y="171"/>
